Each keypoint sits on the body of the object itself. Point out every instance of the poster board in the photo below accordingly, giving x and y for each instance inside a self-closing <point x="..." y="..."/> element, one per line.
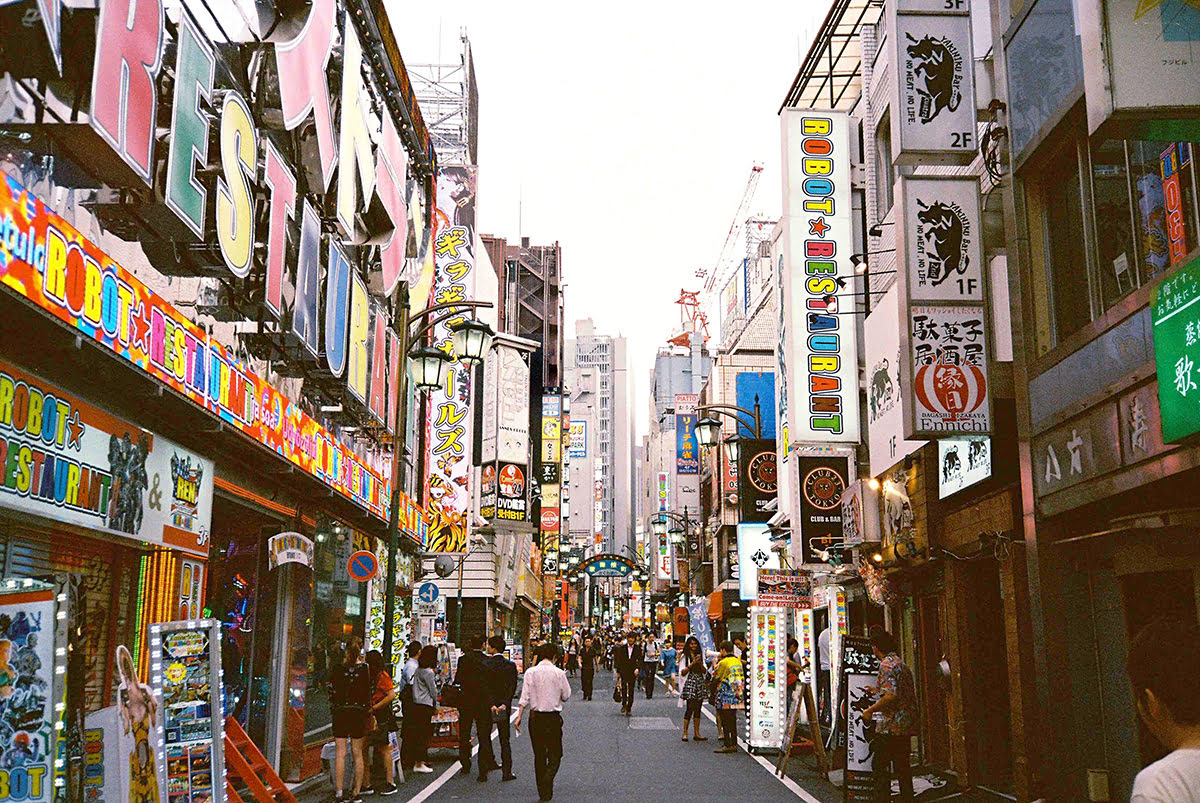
<point x="859" y="672"/>
<point x="784" y="588"/>
<point x="186" y="683"/>
<point x="32" y="684"/>
<point x="768" y="677"/>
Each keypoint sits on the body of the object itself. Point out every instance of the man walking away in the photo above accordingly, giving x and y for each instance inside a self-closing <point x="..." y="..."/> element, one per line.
<point x="473" y="707"/>
<point x="543" y="692"/>
<point x="501" y="688"/>
<point x="650" y="663"/>
<point x="895" y="714"/>
<point x="627" y="659"/>
<point x="588" y="660"/>
<point x="408" y="734"/>
<point x="1163" y="663"/>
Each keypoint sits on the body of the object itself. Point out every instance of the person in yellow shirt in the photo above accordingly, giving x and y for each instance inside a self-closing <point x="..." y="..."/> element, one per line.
<point x="729" y="679"/>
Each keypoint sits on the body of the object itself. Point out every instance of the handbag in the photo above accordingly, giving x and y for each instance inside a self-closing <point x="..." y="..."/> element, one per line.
<point x="617" y="693"/>
<point x="451" y="695"/>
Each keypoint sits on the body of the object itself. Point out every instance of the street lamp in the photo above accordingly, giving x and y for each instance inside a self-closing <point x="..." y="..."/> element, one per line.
<point x="429" y="368"/>
<point x="659" y="526"/>
<point x="708" y="429"/>
<point x="732" y="444"/>
<point x="428" y="374"/>
<point x="471" y="340"/>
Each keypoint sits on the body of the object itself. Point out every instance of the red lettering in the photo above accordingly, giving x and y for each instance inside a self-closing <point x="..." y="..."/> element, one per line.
<point x="817" y="147"/>
<point x="818" y="248"/>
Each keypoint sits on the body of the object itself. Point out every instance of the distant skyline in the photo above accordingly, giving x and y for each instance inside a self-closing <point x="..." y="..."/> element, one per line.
<point x="626" y="135"/>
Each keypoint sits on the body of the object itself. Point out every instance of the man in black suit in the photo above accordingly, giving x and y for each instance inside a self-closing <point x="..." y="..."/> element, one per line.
<point x="627" y="658"/>
<point x="474" y="707"/>
<point x="501" y="688"/>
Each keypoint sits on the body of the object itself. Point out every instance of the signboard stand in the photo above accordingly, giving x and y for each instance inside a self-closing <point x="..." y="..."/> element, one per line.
<point x="804" y="695"/>
<point x="859" y="671"/>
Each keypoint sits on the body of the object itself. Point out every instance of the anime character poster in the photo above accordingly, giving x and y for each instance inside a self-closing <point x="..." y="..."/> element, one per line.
<point x="27" y="733"/>
<point x="448" y="426"/>
<point x="138" y="743"/>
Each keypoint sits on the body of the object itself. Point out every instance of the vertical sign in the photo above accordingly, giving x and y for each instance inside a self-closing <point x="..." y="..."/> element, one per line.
<point x="933" y="84"/>
<point x="944" y="333"/>
<point x="768" y="677"/>
<point x="823" y="400"/>
<point x="31" y="688"/>
<point x="754" y="553"/>
<point x="758" y="477"/>
<point x="185" y="677"/>
<point x="822" y="482"/>
<point x="449" y="435"/>
<point x="687" y="449"/>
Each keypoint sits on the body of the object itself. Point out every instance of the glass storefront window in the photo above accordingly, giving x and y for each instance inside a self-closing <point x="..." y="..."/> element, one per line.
<point x="1045" y="67"/>
<point x="1116" y="256"/>
<point x="1065" y="254"/>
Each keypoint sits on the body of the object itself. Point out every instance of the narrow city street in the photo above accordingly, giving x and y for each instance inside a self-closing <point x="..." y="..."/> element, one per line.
<point x="607" y="757"/>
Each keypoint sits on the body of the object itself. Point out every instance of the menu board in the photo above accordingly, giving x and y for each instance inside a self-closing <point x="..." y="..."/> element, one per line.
<point x="768" y="676"/>
<point x="187" y="658"/>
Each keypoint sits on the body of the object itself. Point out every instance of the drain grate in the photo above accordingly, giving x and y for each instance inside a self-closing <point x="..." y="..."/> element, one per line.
<point x="652" y="724"/>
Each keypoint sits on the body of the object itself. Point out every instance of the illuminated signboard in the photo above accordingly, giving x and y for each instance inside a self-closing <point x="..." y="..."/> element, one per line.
<point x="820" y="337"/>
<point x="63" y="273"/>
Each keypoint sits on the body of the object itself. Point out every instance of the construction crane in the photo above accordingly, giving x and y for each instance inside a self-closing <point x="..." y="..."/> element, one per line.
<point x="711" y="277"/>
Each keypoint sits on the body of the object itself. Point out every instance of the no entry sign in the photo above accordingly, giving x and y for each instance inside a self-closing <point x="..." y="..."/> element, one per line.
<point x="362" y="566"/>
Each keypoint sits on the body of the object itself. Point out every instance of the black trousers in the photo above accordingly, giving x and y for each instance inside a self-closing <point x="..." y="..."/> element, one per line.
<point x="628" y="684"/>
<point x="824" y="704"/>
<point x="503" y="724"/>
<point x="649" y="672"/>
<point x="728" y="718"/>
<point x="891" y="756"/>
<point x="545" y="736"/>
<point x="479" y="714"/>
<point x="416" y="733"/>
<point x="588" y="676"/>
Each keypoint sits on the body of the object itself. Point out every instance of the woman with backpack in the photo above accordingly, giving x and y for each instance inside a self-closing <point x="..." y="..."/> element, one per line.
<point x="695" y="686"/>
<point x="382" y="695"/>
<point x="350" y="702"/>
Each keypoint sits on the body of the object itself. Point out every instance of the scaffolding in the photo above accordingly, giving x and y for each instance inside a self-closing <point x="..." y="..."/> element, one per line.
<point x="449" y="101"/>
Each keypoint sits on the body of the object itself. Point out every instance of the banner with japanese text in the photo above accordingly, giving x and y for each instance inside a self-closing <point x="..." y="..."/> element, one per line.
<point x="448" y="452"/>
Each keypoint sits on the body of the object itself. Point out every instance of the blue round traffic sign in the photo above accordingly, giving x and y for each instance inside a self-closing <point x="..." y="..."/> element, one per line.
<point x="428" y="592"/>
<point x="362" y="566"/>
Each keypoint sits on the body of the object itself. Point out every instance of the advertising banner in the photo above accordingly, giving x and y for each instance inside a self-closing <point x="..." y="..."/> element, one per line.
<point x="963" y="462"/>
<point x="941" y="239"/>
<point x="784" y="588"/>
<point x="512" y="498"/>
<point x="700" y="626"/>
<point x="1175" y="310"/>
<point x="550" y="452"/>
<point x="28" y="693"/>
<point x="102" y="770"/>
<point x="687" y="448"/>
<point x="822" y="481"/>
<point x="768" y="676"/>
<point x="578" y="438"/>
<point x="67" y="276"/>
<point x="758" y="478"/>
<point x="946" y="374"/>
<point x="820" y="335"/>
<point x="289" y="547"/>
<point x="448" y="430"/>
<point x="664" y="558"/>
<point x="885" y="413"/>
<point x="933" y="84"/>
<point x="754" y="554"/>
<point x="64" y="459"/>
<point x="513" y="405"/>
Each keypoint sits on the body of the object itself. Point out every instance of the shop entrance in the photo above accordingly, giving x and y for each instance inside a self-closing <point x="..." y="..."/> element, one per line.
<point x="985" y="697"/>
<point x="930" y="687"/>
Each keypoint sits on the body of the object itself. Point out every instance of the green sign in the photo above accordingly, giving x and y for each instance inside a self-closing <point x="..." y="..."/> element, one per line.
<point x="1175" y="308"/>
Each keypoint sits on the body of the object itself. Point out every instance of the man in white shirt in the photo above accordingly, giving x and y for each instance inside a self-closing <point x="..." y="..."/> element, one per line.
<point x="1163" y="663"/>
<point x="823" y="702"/>
<point x="650" y="661"/>
<point x="543" y="691"/>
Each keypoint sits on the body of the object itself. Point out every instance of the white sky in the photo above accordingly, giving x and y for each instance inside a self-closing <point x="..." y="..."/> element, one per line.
<point x="629" y="131"/>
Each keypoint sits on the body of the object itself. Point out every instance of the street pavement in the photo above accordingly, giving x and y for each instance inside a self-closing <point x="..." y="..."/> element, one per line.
<point x="607" y="757"/>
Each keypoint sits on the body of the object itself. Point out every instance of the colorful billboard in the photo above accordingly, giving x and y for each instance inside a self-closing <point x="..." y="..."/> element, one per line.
<point x="448" y="431"/>
<point x="687" y="449"/>
<point x="60" y="271"/>
<point x="578" y="440"/>
<point x="820" y="334"/>
<point x="768" y="677"/>
<point x="28" y="693"/>
<point x="64" y="459"/>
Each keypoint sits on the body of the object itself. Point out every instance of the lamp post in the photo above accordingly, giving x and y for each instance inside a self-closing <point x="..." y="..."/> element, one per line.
<point x="708" y="429"/>
<point x="471" y="344"/>
<point x="660" y="529"/>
